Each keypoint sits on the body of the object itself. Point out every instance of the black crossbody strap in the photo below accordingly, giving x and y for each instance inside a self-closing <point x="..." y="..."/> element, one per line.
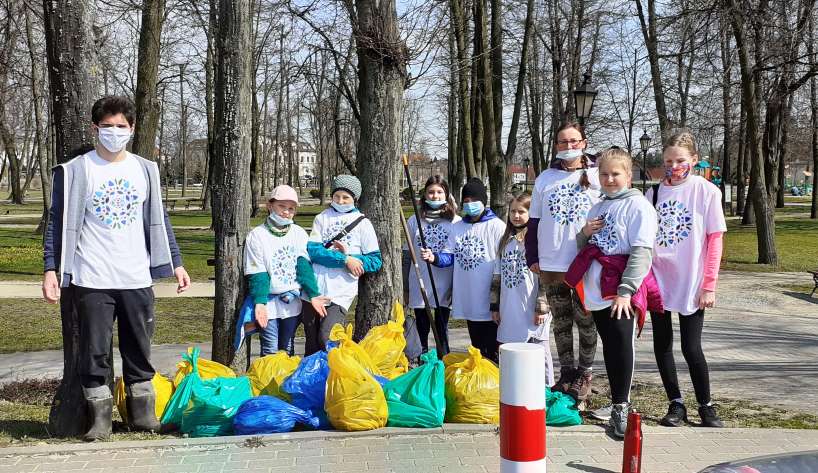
<point x="345" y="231"/>
<point x="655" y="196"/>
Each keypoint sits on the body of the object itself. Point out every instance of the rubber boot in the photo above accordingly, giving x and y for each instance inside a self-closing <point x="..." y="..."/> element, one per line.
<point x="100" y="406"/>
<point x="141" y="402"/>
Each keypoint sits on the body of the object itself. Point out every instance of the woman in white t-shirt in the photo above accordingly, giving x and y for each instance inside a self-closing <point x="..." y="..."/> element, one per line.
<point x="560" y="202"/>
<point x="514" y="287"/>
<point x="688" y="254"/>
<point x="472" y="249"/>
<point x="278" y="271"/>
<point x="342" y="247"/>
<point x="437" y="217"/>
<point x="619" y="233"/>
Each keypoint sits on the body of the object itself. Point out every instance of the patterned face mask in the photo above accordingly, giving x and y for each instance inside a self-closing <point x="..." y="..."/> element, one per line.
<point x="679" y="173"/>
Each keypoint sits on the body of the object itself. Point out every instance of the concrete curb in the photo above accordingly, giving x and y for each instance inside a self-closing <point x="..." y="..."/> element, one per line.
<point x="69" y="448"/>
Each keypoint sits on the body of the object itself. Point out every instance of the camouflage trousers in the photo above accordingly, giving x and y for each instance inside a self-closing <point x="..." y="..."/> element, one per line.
<point x="566" y="309"/>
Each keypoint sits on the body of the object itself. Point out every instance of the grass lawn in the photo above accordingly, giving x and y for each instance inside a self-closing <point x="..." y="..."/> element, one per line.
<point x="33" y="325"/>
<point x="796" y="240"/>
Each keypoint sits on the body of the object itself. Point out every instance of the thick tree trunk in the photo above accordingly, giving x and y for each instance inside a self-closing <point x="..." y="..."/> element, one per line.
<point x="147" y="79"/>
<point x="382" y="57"/>
<point x="463" y="72"/>
<point x="73" y="74"/>
<point x="231" y="170"/>
<point x="15" y="176"/>
<point x="39" y="118"/>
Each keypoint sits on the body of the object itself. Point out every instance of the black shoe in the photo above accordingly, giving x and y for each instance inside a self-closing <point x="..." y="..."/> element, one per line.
<point x="709" y="417"/>
<point x="676" y="415"/>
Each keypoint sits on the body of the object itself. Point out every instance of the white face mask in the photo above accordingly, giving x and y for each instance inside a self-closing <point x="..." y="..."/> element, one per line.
<point x="114" y="139"/>
<point x="569" y="154"/>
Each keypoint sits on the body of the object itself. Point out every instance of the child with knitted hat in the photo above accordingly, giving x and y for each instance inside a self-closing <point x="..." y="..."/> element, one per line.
<point x="342" y="247"/>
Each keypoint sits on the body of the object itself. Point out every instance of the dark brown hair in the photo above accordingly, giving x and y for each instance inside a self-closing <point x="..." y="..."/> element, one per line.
<point x="447" y="211"/>
<point x="111" y="105"/>
<point x="525" y="199"/>
<point x="583" y="180"/>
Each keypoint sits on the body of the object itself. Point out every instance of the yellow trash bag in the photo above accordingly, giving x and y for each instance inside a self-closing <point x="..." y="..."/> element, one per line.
<point x="455" y="357"/>
<point x="344" y="338"/>
<point x="268" y="373"/>
<point x="208" y="369"/>
<point x="473" y="390"/>
<point x="385" y="344"/>
<point x="162" y="389"/>
<point x="354" y="400"/>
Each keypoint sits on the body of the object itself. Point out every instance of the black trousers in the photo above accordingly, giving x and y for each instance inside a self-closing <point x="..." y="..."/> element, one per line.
<point x="483" y="336"/>
<point x="97" y="310"/>
<point x="317" y="329"/>
<point x="690" y="328"/>
<point x="618" y="349"/>
<point x="424" y="325"/>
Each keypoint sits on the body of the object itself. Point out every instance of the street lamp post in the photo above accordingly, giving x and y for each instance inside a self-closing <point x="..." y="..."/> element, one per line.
<point x="644" y="143"/>
<point x="584" y="97"/>
<point x="526" y="163"/>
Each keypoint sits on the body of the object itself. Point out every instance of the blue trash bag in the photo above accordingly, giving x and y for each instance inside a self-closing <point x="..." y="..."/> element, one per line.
<point x="381" y="380"/>
<point x="270" y="415"/>
<point x="308" y="383"/>
<point x="560" y="409"/>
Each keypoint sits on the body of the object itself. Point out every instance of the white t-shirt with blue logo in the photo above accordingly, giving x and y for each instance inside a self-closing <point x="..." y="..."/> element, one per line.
<point x="562" y="205"/>
<point x="629" y="222"/>
<point x="338" y="283"/>
<point x="437" y="234"/>
<point x="518" y="294"/>
<point x="277" y="256"/>
<point x="475" y="255"/>
<point x="111" y="248"/>
<point x="687" y="213"/>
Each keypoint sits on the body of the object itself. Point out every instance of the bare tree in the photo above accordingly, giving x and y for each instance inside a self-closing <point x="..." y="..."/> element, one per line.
<point x="147" y="79"/>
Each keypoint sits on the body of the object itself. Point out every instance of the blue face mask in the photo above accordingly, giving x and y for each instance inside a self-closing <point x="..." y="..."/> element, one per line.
<point x="279" y="221"/>
<point x="342" y="208"/>
<point x="435" y="204"/>
<point x="473" y="209"/>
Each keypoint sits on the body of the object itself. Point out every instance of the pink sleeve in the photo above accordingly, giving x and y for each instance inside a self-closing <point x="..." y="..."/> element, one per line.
<point x="712" y="260"/>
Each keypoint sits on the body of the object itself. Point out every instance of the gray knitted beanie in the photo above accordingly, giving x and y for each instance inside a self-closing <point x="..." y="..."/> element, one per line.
<point x="348" y="183"/>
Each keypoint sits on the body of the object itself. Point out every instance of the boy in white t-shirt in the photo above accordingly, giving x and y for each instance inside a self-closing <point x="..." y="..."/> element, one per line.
<point x="342" y="247"/>
<point x="108" y="238"/>
<point x="621" y="227"/>
<point x="278" y="271"/>
<point x="688" y="254"/>
<point x="472" y="249"/>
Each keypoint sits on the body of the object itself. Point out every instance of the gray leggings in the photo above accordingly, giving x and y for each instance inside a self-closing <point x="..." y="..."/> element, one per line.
<point x="317" y="329"/>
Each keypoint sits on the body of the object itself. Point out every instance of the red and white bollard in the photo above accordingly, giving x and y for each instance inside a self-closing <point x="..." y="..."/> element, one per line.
<point x="522" y="408"/>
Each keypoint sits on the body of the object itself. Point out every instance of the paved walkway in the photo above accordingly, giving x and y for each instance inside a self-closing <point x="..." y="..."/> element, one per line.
<point x="761" y="342"/>
<point x="453" y="449"/>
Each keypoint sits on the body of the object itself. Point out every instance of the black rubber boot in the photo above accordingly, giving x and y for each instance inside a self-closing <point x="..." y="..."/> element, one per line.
<point x="141" y="402"/>
<point x="100" y="408"/>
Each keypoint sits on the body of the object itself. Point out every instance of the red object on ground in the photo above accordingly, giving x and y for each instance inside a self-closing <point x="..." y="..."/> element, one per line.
<point x="632" y="455"/>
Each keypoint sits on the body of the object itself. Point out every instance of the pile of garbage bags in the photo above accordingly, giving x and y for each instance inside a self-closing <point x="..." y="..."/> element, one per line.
<point x="351" y="386"/>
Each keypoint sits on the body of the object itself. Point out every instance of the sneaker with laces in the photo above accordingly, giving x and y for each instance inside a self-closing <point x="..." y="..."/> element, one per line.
<point x="581" y="386"/>
<point x="676" y="415"/>
<point x="619" y="419"/>
<point x="563" y="384"/>
<point x="603" y="413"/>
<point x="709" y="417"/>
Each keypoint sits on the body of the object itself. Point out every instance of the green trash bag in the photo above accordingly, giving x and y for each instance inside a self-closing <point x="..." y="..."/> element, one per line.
<point x="181" y="396"/>
<point x="213" y="405"/>
<point x="560" y="409"/>
<point x="418" y="398"/>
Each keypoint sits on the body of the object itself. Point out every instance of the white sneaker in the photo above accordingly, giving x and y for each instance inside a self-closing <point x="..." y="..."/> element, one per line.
<point x="603" y="413"/>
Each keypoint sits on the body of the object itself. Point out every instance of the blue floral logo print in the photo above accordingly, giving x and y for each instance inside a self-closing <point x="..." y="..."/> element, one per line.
<point x="569" y="204"/>
<point x="283" y="265"/>
<point x="334" y="229"/>
<point x="436" y="237"/>
<point x="115" y="203"/>
<point x="469" y="251"/>
<point x="606" y="239"/>
<point x="513" y="268"/>
<point x="675" y="223"/>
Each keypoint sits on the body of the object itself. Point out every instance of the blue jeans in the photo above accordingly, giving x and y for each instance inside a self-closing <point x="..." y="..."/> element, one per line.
<point x="279" y="335"/>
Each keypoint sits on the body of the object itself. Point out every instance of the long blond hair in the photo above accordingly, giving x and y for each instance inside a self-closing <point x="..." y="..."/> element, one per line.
<point x="523" y="198"/>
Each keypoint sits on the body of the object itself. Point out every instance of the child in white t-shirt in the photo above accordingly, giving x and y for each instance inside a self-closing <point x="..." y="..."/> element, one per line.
<point x="688" y="254"/>
<point x="619" y="233"/>
<point x="342" y="247"/>
<point x="437" y="217"/>
<point x="514" y="287"/>
<point x="278" y="271"/>
<point x="472" y="249"/>
<point x="561" y="199"/>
